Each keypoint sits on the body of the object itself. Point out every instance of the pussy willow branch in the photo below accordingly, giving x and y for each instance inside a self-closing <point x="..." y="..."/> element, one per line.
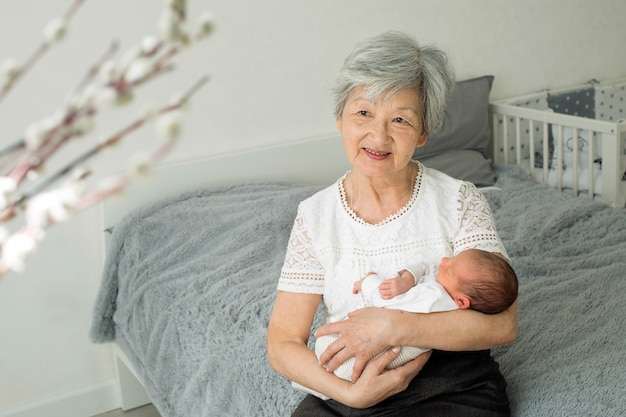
<point x="38" y="53"/>
<point x="8" y="156"/>
<point x="124" y="181"/>
<point x="44" y="138"/>
<point x="37" y="158"/>
<point x="90" y="199"/>
<point x="160" y="66"/>
<point x="90" y="153"/>
<point x="93" y="71"/>
<point x="31" y="231"/>
<point x="12" y="148"/>
<point x="17" y="149"/>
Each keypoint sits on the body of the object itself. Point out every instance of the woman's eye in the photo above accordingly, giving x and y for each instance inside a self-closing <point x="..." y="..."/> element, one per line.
<point x="363" y="113"/>
<point x="399" y="120"/>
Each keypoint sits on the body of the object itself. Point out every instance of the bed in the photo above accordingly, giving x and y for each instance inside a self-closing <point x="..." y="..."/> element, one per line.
<point x="191" y="273"/>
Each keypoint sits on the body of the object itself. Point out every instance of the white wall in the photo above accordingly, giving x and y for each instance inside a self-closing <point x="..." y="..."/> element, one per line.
<point x="271" y="63"/>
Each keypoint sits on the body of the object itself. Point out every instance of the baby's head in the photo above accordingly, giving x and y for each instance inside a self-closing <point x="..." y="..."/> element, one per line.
<point x="479" y="280"/>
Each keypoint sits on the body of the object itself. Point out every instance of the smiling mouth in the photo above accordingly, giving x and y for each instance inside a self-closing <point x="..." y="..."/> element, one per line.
<point x="376" y="154"/>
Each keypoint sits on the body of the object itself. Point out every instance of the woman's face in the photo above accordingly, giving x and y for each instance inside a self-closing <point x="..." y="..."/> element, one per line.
<point x="380" y="137"/>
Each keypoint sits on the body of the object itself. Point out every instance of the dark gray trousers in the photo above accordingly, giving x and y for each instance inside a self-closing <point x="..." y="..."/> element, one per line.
<point x="452" y="384"/>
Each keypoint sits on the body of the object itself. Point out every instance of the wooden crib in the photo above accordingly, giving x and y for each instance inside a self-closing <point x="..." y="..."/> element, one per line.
<point x="573" y="139"/>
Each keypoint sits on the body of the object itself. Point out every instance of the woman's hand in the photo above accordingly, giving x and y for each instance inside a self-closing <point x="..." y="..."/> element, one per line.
<point x="377" y="384"/>
<point x="362" y="336"/>
<point x="288" y="354"/>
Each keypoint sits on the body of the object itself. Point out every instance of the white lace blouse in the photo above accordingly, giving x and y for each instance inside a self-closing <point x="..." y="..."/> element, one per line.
<point x="330" y="247"/>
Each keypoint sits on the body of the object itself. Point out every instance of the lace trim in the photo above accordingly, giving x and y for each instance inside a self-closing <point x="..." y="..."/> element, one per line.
<point x="301" y="282"/>
<point x="477" y="228"/>
<point x="483" y="239"/>
<point x="300" y="276"/>
<point x="344" y="202"/>
<point x="476" y="215"/>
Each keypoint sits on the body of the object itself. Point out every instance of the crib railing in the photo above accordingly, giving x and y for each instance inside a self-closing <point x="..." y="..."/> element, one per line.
<point x="536" y="140"/>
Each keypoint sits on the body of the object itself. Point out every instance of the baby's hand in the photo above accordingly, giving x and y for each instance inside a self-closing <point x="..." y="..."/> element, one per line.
<point x="357" y="285"/>
<point x="392" y="287"/>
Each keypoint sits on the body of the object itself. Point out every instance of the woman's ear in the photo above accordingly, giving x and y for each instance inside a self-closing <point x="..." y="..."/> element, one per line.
<point x="338" y="123"/>
<point x="463" y="302"/>
<point x="421" y="141"/>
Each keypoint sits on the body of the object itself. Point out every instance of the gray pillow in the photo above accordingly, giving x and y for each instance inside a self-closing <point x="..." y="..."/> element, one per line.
<point x="465" y="127"/>
<point x="463" y="164"/>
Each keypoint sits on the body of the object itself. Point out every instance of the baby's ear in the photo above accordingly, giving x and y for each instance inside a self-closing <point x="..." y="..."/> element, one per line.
<point x="463" y="302"/>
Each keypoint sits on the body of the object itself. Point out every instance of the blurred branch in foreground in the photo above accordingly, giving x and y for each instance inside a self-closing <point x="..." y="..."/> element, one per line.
<point x="108" y="83"/>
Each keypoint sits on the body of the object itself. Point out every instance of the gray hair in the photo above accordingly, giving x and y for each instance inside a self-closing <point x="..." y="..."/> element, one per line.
<point x="394" y="61"/>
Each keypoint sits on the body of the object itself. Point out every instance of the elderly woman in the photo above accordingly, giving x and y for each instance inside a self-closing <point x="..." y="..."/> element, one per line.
<point x="386" y="212"/>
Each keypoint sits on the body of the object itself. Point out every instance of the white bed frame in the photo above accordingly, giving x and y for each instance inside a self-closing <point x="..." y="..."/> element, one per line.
<point x="612" y="136"/>
<point x="320" y="161"/>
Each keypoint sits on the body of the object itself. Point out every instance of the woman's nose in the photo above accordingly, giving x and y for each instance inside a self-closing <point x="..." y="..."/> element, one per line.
<point x="379" y="131"/>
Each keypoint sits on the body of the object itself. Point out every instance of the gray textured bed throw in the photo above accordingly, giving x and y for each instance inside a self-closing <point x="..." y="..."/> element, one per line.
<point x="189" y="283"/>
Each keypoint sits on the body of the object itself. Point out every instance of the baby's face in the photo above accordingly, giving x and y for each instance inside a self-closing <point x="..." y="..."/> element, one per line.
<point x="453" y="270"/>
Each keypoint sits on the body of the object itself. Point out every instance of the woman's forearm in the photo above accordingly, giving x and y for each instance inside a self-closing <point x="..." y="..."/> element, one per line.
<point x="287" y="350"/>
<point x="298" y="363"/>
<point x="456" y="330"/>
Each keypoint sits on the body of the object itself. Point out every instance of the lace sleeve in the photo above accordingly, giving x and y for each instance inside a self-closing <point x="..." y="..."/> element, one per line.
<point x="301" y="272"/>
<point x="477" y="228"/>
